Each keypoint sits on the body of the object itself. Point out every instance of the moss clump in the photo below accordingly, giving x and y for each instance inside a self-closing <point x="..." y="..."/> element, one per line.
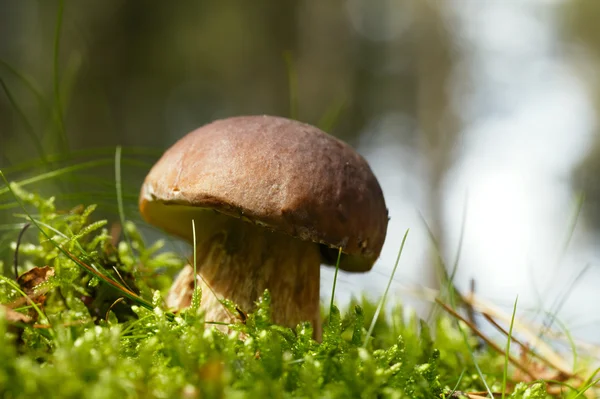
<point x="97" y="328"/>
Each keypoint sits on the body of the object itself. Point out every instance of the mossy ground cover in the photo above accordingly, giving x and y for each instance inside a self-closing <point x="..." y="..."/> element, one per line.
<point x="86" y="319"/>
<point x="86" y="316"/>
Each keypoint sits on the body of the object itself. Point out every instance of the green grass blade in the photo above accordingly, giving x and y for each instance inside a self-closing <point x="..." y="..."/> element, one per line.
<point x="195" y="299"/>
<point x="292" y="82"/>
<point x="27" y="82"/>
<point x="28" y="127"/>
<point x="331" y="116"/>
<point x="460" y="377"/>
<point x="120" y="207"/>
<point x="59" y="112"/>
<point x="461" y="238"/>
<point x="86" y="154"/>
<point x="385" y="293"/>
<point x="59" y="172"/>
<point x="507" y="351"/>
<point x="335" y="276"/>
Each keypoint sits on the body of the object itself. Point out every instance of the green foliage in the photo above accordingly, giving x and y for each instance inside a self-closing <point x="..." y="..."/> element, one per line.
<point x="93" y="342"/>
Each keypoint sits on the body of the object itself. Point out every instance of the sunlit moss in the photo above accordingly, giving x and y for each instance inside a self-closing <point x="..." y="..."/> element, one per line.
<point x="95" y="344"/>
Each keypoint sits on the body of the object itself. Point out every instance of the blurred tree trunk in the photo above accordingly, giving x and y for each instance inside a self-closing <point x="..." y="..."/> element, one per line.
<point x="438" y="125"/>
<point x="580" y="19"/>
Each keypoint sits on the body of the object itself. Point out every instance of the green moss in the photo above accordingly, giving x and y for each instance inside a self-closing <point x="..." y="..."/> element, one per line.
<point x="94" y="342"/>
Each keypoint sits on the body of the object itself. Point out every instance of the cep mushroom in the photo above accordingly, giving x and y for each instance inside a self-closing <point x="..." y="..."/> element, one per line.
<point x="272" y="199"/>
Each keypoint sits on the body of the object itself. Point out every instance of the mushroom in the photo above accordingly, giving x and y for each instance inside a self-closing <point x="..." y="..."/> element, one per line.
<point x="271" y="199"/>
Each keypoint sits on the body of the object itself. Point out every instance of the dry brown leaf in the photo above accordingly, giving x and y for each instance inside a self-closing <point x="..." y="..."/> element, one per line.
<point x="14" y="317"/>
<point x="30" y="283"/>
<point x="29" y="280"/>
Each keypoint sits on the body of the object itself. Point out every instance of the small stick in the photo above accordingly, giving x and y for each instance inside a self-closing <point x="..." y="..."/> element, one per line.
<point x="486" y="339"/>
<point x="557" y="362"/>
<point x="525" y="347"/>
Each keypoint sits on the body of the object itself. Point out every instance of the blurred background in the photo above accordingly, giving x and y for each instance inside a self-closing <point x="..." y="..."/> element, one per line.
<point x="478" y="118"/>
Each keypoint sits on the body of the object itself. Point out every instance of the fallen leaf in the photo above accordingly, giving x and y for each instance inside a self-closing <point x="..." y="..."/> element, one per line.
<point x="30" y="283"/>
<point x="29" y="280"/>
<point x="14" y="317"/>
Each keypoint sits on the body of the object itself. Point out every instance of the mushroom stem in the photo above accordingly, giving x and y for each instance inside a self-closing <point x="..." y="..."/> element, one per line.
<point x="238" y="260"/>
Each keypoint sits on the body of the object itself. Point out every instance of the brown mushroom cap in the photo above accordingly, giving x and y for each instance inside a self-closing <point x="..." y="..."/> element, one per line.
<point x="285" y="175"/>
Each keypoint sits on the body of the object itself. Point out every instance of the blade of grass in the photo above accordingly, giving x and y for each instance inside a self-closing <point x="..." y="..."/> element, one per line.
<point x="589" y="382"/>
<point x="119" y="190"/>
<point x="387" y="288"/>
<point x="59" y="112"/>
<point x="440" y="264"/>
<point x="11" y="226"/>
<point x="460" y="377"/>
<point x="562" y="299"/>
<point x="335" y="276"/>
<point x="570" y="340"/>
<point x="461" y="238"/>
<point x="27" y="82"/>
<point x="507" y="351"/>
<point x="68" y="81"/>
<point x="585" y="388"/>
<point x="59" y="172"/>
<point x="195" y="302"/>
<point x="331" y="116"/>
<point x="562" y="384"/>
<point x="573" y="224"/>
<point x="442" y="271"/>
<point x="128" y="199"/>
<point x="16" y="257"/>
<point x="292" y="82"/>
<point x="86" y="154"/>
<point x="28" y="127"/>
<point x="557" y="304"/>
<point x="9" y="205"/>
